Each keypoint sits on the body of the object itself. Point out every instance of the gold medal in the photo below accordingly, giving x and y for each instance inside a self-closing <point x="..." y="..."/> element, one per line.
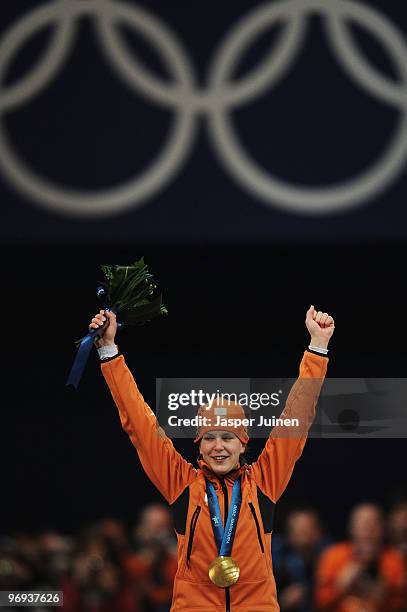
<point x="224" y="571"/>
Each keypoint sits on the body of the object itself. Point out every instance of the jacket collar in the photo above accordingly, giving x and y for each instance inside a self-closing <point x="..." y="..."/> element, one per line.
<point x="228" y="478"/>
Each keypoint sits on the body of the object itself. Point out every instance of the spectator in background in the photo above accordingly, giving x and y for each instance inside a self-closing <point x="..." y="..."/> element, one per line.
<point x="154" y="563"/>
<point x="295" y="558"/>
<point x="98" y="581"/>
<point x="397" y="527"/>
<point x="362" y="575"/>
<point x="54" y="559"/>
<point x="397" y="533"/>
<point x="16" y="571"/>
<point x="114" y="534"/>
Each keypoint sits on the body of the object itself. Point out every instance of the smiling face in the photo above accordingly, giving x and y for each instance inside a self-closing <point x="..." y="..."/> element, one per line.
<point x="221" y="451"/>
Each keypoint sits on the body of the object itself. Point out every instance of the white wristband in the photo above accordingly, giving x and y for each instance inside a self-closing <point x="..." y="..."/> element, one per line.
<point x="318" y="349"/>
<point x="105" y="352"/>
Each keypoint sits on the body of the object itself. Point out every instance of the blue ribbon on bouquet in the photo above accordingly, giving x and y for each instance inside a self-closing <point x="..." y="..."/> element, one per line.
<point x="86" y="344"/>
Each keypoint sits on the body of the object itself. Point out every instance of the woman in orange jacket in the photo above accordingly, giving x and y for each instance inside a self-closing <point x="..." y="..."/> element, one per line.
<point x="223" y="510"/>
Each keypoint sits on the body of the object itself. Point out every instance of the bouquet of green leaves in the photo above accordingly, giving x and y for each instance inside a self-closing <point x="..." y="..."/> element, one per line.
<point x="132" y="293"/>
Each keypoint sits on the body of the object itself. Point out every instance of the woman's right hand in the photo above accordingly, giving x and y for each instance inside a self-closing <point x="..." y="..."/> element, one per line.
<point x="106" y="322"/>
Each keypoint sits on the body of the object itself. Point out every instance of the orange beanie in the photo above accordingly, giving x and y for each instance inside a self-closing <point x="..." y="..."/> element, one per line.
<point x="223" y="415"/>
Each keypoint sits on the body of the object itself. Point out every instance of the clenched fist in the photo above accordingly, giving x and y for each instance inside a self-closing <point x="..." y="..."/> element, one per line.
<point x="320" y="326"/>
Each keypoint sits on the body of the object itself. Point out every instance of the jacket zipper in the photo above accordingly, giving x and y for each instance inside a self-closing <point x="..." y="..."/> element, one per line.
<point x="225" y="514"/>
<point x="257" y="526"/>
<point x="194" y="520"/>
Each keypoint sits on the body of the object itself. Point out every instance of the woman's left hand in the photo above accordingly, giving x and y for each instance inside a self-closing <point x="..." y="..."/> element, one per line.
<point x="320" y="326"/>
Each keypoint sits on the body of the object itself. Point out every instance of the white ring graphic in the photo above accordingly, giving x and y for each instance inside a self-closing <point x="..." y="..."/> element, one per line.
<point x="133" y="193"/>
<point x="305" y="199"/>
<point x="222" y="94"/>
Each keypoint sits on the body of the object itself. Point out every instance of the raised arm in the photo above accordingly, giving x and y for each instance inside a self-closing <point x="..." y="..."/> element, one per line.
<point x="274" y="467"/>
<point x="165" y="467"/>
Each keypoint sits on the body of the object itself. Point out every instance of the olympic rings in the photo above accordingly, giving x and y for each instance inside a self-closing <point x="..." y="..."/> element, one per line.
<point x="221" y="95"/>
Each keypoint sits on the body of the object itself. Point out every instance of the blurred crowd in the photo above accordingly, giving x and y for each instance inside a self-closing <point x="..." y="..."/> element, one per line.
<point x="108" y="567"/>
<point x="104" y="568"/>
<point x="365" y="573"/>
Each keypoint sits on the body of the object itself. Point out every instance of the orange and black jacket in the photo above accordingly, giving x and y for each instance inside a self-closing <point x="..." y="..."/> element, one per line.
<point x="184" y="488"/>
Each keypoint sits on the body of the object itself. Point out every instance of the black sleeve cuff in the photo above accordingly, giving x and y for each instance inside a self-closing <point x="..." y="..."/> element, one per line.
<point x="110" y="358"/>
<point x="316" y="353"/>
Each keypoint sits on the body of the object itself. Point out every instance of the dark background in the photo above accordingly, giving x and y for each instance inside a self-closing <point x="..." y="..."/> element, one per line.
<point x="232" y="312"/>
